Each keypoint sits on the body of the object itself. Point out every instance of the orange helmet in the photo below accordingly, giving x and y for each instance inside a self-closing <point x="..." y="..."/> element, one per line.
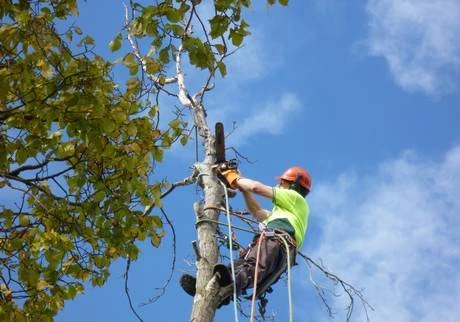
<point x="299" y="175"/>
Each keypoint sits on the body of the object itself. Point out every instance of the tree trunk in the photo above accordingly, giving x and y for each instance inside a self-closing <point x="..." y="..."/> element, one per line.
<point x="207" y="295"/>
<point x="206" y="298"/>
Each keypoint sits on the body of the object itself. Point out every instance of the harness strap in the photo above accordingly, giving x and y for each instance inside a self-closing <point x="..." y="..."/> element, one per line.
<point x="264" y="285"/>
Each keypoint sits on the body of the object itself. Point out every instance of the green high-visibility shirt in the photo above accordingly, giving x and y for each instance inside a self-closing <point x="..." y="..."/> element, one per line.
<point x="289" y="204"/>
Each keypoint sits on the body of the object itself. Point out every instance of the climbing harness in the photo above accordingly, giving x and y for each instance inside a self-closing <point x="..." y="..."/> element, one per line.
<point x="259" y="290"/>
<point x="274" y="277"/>
<point x="224" y="240"/>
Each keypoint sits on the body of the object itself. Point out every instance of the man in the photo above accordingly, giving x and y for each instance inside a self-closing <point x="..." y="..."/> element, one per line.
<point x="288" y="218"/>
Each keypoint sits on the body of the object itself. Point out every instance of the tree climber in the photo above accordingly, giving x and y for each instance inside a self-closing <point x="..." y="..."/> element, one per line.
<point x="288" y="219"/>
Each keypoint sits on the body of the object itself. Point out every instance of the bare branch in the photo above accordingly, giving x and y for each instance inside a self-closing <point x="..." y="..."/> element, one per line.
<point x="183" y="94"/>
<point x="17" y="171"/>
<point x="239" y="156"/>
<point x="12" y="177"/>
<point x="349" y="289"/>
<point x="162" y="289"/>
<point x="187" y="181"/>
<point x="128" y="264"/>
<point x="137" y="53"/>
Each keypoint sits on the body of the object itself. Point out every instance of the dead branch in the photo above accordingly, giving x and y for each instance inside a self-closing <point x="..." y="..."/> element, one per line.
<point x="349" y="289"/>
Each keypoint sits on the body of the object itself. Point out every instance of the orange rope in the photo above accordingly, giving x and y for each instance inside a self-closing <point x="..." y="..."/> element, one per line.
<point x="256" y="275"/>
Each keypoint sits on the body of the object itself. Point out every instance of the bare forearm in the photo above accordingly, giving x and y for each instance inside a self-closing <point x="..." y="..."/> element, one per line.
<point x="254" y="207"/>
<point x="248" y="186"/>
<point x="256" y="187"/>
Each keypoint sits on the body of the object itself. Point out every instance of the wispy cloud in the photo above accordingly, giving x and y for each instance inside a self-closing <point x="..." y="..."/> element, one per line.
<point x="419" y="39"/>
<point x="395" y="233"/>
<point x="255" y="59"/>
<point x="269" y="119"/>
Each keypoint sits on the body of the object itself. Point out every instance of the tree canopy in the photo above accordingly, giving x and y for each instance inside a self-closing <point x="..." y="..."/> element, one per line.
<point x="78" y="146"/>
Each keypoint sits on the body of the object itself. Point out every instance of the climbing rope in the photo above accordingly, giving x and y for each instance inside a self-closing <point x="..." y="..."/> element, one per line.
<point x="223" y="224"/>
<point x="232" y="265"/>
<point x="289" y="275"/>
<point x="259" y="243"/>
<point x="288" y="259"/>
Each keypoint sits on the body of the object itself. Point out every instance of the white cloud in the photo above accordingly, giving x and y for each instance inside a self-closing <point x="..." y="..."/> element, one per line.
<point x="269" y="119"/>
<point x="251" y="61"/>
<point x="395" y="233"/>
<point x="419" y="39"/>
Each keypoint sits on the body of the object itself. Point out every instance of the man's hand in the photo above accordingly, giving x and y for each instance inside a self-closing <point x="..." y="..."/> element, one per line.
<point x="231" y="176"/>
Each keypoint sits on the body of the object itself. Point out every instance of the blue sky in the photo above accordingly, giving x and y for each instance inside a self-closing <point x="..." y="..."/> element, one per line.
<point x="364" y="94"/>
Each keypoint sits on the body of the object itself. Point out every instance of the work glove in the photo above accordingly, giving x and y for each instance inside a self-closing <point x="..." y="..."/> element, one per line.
<point x="231" y="176"/>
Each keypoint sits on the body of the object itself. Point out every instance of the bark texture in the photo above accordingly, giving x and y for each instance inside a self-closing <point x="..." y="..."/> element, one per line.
<point x="208" y="294"/>
<point x="205" y="301"/>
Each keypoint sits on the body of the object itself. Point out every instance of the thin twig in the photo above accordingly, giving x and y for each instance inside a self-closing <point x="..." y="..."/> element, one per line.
<point x="128" y="264"/>
<point x="349" y="289"/>
<point x="173" y="264"/>
<point x="187" y="181"/>
<point x="240" y="156"/>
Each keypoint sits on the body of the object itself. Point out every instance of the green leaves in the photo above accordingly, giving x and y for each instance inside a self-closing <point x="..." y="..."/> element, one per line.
<point x="223" y="5"/>
<point x="237" y="34"/>
<point x="131" y="129"/>
<point x="99" y="196"/>
<point x="108" y="126"/>
<point x="158" y="154"/>
<point x="115" y="44"/>
<point x="130" y="61"/>
<point x="153" y="66"/>
<point x="219" y="25"/>
<point x="86" y="152"/>
<point x="24" y="220"/>
<point x="222" y="68"/>
<point x="200" y="54"/>
<point x="65" y="150"/>
<point x="174" y="15"/>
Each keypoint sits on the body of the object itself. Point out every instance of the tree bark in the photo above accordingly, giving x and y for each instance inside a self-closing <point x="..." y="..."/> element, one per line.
<point x="208" y="295"/>
<point x="205" y="301"/>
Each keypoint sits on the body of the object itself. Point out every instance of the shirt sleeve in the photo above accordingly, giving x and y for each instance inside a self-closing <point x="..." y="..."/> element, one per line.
<point x="284" y="198"/>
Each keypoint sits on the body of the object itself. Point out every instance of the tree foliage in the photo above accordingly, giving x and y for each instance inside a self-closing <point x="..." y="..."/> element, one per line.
<point x="78" y="149"/>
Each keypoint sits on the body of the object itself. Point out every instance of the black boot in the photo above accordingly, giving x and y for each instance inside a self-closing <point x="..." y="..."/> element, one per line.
<point x="225" y="301"/>
<point x="188" y="284"/>
<point x="224" y="280"/>
<point x="224" y="277"/>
